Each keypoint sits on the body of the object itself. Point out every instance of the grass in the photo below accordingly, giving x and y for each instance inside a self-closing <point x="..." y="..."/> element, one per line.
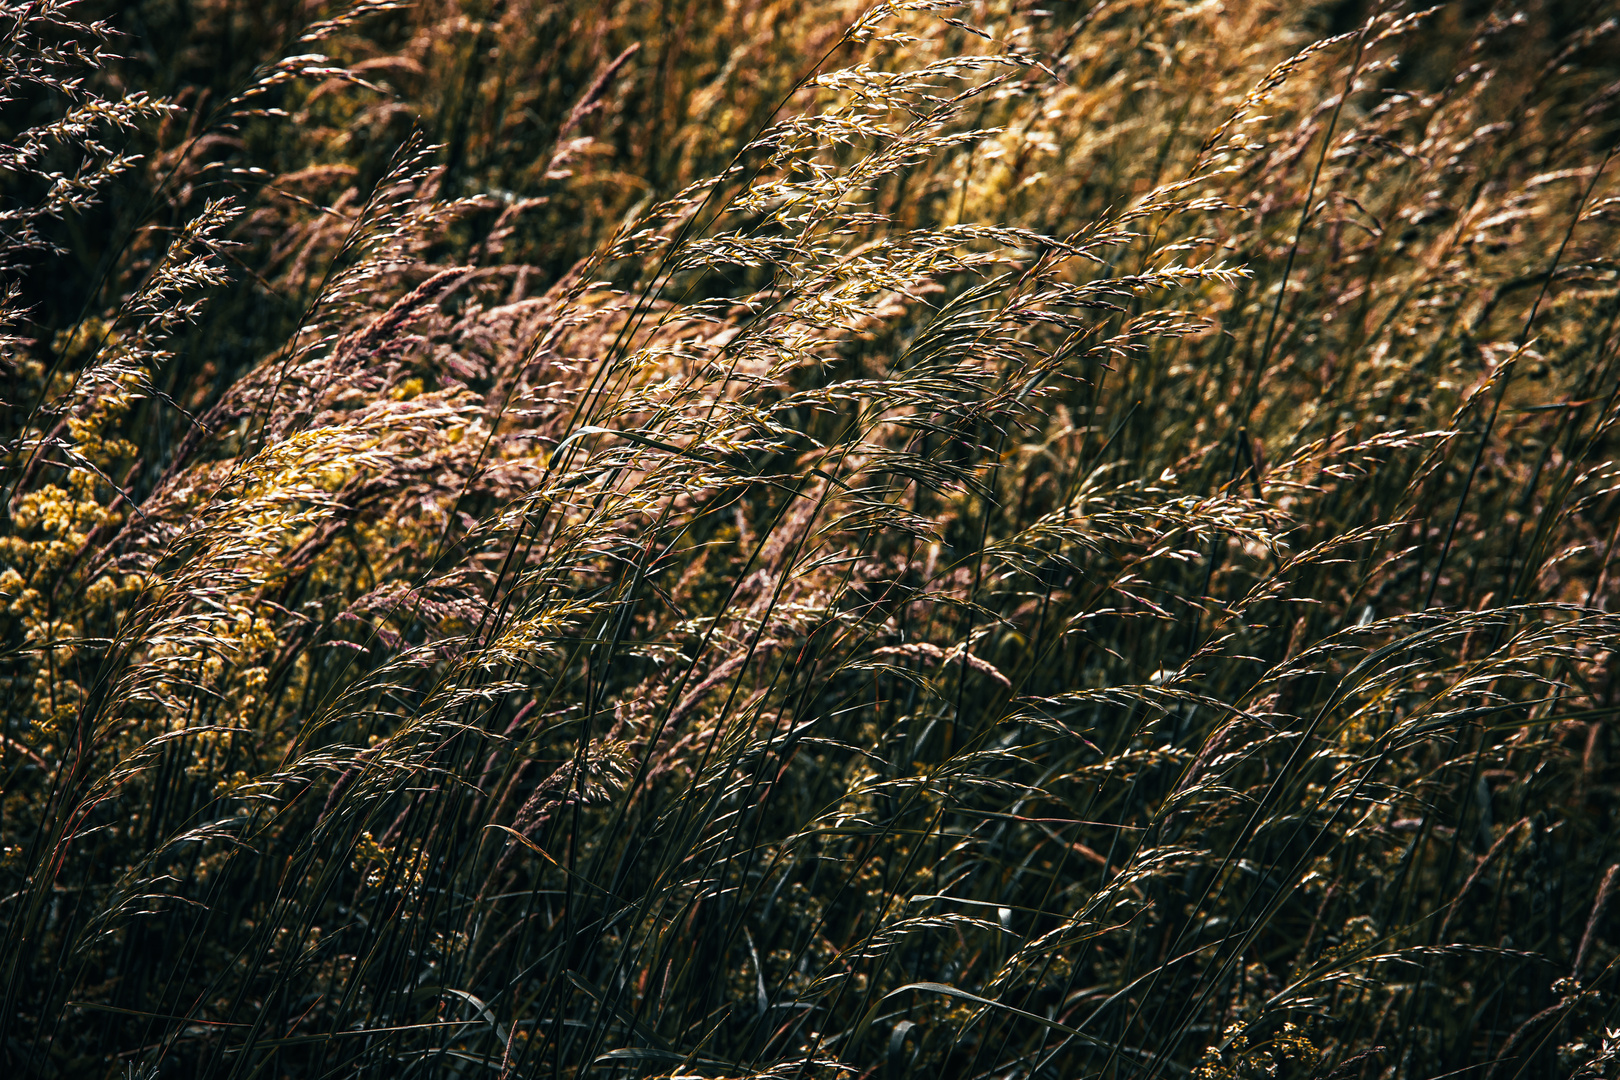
<point x="763" y="540"/>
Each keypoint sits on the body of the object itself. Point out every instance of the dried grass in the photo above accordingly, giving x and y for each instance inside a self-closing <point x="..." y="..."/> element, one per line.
<point x="774" y="541"/>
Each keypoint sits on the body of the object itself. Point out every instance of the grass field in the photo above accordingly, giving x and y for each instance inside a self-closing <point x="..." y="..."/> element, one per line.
<point x="743" y="539"/>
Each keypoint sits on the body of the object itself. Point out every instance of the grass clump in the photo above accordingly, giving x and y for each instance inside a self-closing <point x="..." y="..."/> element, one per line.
<point x="764" y="540"/>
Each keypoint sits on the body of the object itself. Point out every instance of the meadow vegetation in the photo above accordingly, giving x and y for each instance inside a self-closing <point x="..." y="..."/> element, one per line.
<point x="821" y="541"/>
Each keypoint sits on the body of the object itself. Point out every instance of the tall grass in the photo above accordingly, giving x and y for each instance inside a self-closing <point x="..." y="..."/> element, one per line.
<point x="743" y="540"/>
